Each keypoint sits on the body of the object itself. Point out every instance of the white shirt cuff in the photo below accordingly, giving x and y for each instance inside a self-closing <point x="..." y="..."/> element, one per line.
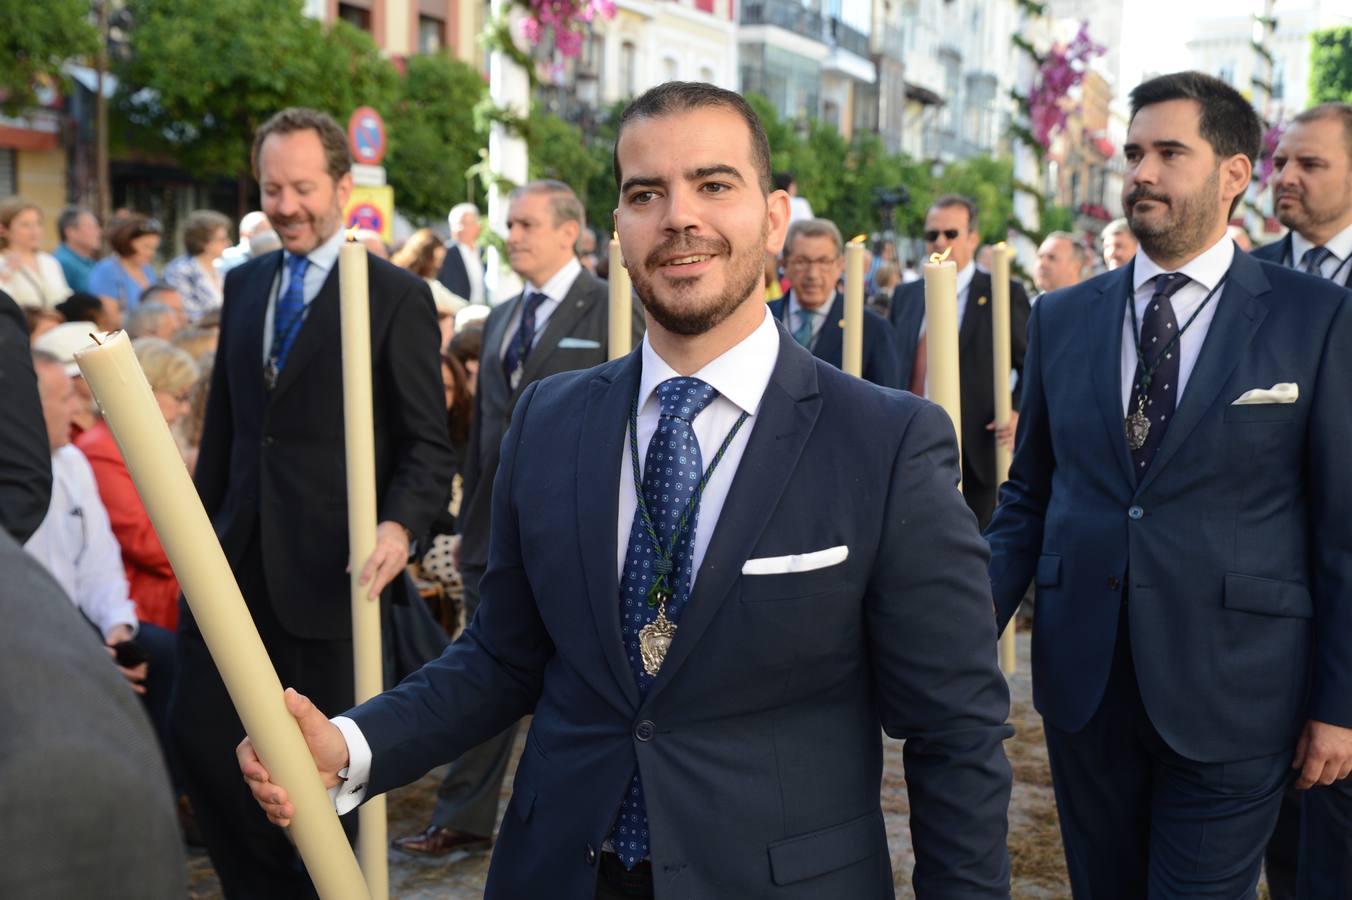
<point x="351" y="792"/>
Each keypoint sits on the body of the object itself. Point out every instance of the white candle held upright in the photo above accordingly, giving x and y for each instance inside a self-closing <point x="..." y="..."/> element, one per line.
<point x="941" y="338"/>
<point x="852" y="350"/>
<point x="1003" y="403"/>
<point x="132" y="413"/>
<point x="359" y="440"/>
<point x="620" y="338"/>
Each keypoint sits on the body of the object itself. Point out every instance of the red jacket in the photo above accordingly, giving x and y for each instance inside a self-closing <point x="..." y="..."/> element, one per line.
<point x="150" y="580"/>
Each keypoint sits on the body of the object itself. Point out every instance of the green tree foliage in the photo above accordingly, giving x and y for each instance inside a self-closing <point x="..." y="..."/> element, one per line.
<point x="432" y="137"/>
<point x="37" y="38"/>
<point x="558" y="150"/>
<point x="990" y="182"/>
<point x="1331" y="66"/>
<point x="202" y="75"/>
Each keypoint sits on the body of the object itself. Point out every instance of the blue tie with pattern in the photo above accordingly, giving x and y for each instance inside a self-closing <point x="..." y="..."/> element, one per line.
<point x="803" y="333"/>
<point x="1159" y="327"/>
<point x="519" y="346"/>
<point x="671" y="474"/>
<point x="1312" y="262"/>
<point x="290" y="309"/>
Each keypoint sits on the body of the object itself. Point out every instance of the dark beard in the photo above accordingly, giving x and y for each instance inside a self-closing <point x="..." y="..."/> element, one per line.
<point x="1187" y="222"/>
<point x="746" y="271"/>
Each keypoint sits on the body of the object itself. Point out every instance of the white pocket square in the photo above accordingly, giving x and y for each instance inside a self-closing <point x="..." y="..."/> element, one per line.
<point x="797" y="562"/>
<point x="1285" y="392"/>
<point x="572" y="343"/>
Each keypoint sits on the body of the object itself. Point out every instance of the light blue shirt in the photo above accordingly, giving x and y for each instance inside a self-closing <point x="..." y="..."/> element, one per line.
<point x="109" y="279"/>
<point x="322" y="260"/>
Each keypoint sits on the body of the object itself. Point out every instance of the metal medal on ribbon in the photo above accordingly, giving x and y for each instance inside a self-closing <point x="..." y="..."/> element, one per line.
<point x="1138" y="428"/>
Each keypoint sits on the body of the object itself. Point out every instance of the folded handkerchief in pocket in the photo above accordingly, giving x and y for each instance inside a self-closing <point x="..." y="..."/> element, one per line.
<point x="1283" y="392"/>
<point x="797" y="562"/>
<point x="572" y="343"/>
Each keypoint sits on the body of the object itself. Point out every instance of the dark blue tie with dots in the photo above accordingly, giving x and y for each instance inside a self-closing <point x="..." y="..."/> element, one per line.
<point x="671" y="473"/>
<point x="1159" y="327"/>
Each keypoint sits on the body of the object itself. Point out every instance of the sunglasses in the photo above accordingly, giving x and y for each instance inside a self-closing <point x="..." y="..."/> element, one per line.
<point x="950" y="233"/>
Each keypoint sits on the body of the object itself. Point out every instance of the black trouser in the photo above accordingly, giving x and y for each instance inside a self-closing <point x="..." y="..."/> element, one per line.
<point x="253" y="857"/>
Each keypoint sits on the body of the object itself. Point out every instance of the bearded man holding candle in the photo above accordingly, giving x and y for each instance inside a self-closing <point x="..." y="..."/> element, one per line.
<point x="271" y="474"/>
<point x="711" y="658"/>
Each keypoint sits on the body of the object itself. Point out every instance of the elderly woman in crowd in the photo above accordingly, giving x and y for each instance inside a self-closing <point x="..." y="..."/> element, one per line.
<point x="126" y="273"/>
<point x="172" y="375"/>
<point x="33" y="278"/>
<point x="206" y="235"/>
<point x="422" y="255"/>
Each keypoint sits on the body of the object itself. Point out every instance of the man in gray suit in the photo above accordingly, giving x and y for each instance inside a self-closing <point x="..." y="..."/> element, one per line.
<point x="558" y="323"/>
<point x="85" y="806"/>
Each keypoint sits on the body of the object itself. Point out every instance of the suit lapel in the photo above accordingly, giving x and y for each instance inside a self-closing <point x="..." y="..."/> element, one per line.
<point x="1238" y="316"/>
<point x="780" y="429"/>
<point x="560" y="325"/>
<point x="1104" y="324"/>
<point x="605" y="424"/>
<point x="255" y="297"/>
<point x="492" y="379"/>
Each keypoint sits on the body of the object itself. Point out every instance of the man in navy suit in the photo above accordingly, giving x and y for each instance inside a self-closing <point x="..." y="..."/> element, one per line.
<point x="462" y="271"/>
<point x="1310" y="854"/>
<point x="814" y="312"/>
<point x="951" y="224"/>
<point x="1182" y="508"/>
<point x="810" y="604"/>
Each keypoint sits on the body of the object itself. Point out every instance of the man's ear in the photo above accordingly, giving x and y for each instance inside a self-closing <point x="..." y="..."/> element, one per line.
<point x="1236" y="173"/>
<point x="777" y="215"/>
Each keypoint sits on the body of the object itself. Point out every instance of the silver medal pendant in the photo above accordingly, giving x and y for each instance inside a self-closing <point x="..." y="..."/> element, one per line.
<point x="1138" y="429"/>
<point x="654" y="640"/>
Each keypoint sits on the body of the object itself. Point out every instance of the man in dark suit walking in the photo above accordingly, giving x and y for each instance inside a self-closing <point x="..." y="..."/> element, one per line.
<point x="271" y="474"/>
<point x="1179" y="496"/>
<point x="814" y="312"/>
<point x="710" y="657"/>
<point x="951" y="224"/>
<point x="1310" y="853"/>
<point x="558" y="323"/>
<point x="462" y="271"/>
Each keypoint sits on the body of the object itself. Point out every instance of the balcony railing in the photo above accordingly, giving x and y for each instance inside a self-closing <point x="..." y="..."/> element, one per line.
<point x="807" y="22"/>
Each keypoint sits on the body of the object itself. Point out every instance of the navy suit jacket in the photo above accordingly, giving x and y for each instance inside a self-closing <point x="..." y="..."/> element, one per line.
<point x="1279" y="252"/>
<point x="880" y="352"/>
<point x="1234" y="547"/>
<point x="976" y="372"/>
<point x="760" y="742"/>
<point x="453" y="273"/>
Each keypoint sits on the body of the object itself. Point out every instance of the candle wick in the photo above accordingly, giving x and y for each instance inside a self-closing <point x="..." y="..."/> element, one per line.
<point x="95" y="339"/>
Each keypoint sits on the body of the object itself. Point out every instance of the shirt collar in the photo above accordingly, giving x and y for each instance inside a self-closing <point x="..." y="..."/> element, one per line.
<point x="741" y="374"/>
<point x="1340" y="245"/>
<point x="1207" y="269"/>
<point x="822" y="310"/>
<point x="325" y="255"/>
<point x="965" y="277"/>
<point x="561" y="282"/>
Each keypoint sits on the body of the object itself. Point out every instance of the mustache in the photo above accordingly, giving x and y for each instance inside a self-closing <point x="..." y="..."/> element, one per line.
<point x="685" y="246"/>
<point x="1290" y="192"/>
<point x="1139" y="193"/>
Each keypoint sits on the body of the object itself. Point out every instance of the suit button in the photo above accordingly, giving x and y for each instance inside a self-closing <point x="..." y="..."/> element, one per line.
<point x="591" y="855"/>
<point x="645" y="730"/>
<point x="269" y="441"/>
<point x="1113" y="583"/>
<point x="1135" y="512"/>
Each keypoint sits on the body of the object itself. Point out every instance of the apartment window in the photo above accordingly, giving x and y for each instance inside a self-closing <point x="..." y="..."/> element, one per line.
<point x="669" y="70"/>
<point x="706" y="75"/>
<point x="431" y="34"/>
<point x="355" y="16"/>
<point x="1227" y="73"/>
<point x="628" y="73"/>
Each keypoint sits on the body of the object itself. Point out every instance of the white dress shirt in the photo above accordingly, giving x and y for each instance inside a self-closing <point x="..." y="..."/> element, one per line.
<point x="740" y="376"/>
<point x="76" y="544"/>
<point x="474" y="270"/>
<point x="1204" y="273"/>
<point x="1339" y="246"/>
<point x="322" y="260"/>
<point x="555" y="289"/>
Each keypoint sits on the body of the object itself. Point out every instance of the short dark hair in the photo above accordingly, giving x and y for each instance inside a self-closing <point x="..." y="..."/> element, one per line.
<point x="1228" y="121"/>
<point x="1342" y="112"/>
<point x="81" y="307"/>
<point x="948" y="201"/>
<point x="684" y="96"/>
<point x="783" y="181"/>
<point x="201" y="227"/>
<point x="69" y="218"/>
<point x="128" y="229"/>
<point x="337" y="157"/>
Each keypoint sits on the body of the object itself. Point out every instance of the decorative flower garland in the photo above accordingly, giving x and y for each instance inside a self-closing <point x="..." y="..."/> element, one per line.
<point x="1271" y="138"/>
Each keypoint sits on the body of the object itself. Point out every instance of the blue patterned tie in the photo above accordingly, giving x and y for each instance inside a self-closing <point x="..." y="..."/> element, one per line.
<point x="1312" y="262"/>
<point x="518" y="349"/>
<point x="803" y="333"/>
<point x="671" y="474"/>
<point x="290" y="309"/>
<point x="1159" y="325"/>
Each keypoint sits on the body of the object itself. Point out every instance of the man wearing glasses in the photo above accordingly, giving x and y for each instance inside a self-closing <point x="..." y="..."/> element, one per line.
<point x="814" y="311"/>
<point x="951" y="224"/>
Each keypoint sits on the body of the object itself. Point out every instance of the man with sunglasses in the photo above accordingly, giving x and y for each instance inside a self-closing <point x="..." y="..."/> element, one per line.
<point x="951" y="224"/>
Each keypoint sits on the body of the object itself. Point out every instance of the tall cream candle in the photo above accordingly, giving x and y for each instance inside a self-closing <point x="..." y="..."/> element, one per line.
<point x="852" y="351"/>
<point x="161" y="479"/>
<point x="941" y="339"/>
<point x="620" y="340"/>
<point x="1003" y="405"/>
<point x="359" y="441"/>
